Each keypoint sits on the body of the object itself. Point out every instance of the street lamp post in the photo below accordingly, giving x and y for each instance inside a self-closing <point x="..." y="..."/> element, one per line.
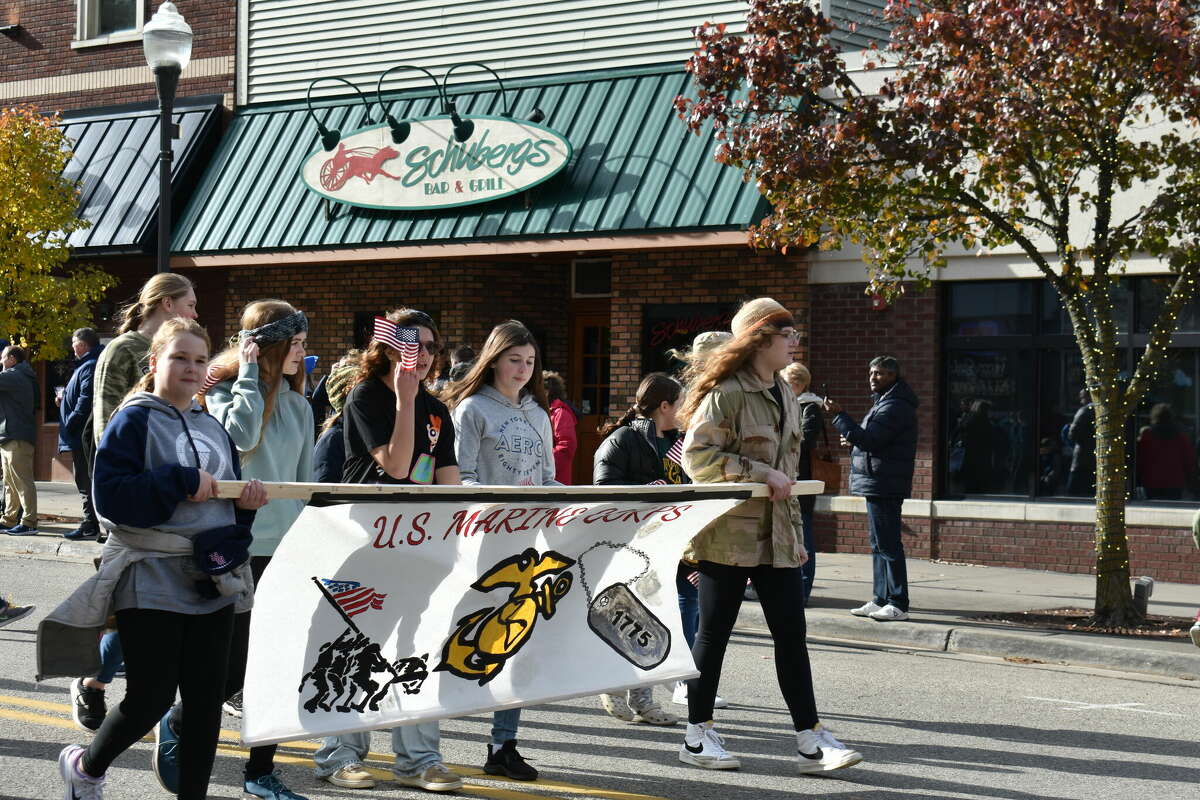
<point x="167" y="40"/>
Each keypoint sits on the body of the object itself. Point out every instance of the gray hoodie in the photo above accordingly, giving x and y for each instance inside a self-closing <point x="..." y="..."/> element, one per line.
<point x="498" y="443"/>
<point x="18" y="404"/>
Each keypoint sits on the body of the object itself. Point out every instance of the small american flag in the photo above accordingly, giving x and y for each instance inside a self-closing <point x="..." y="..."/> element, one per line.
<point x="676" y="452"/>
<point x="211" y="378"/>
<point x="405" y="340"/>
<point x="353" y="597"/>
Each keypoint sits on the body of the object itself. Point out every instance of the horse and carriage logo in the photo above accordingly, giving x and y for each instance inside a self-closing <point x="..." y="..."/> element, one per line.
<point x="356" y="162"/>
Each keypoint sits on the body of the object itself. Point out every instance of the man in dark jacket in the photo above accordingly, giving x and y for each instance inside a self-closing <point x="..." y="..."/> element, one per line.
<point x="75" y="425"/>
<point x="881" y="470"/>
<point x="18" y="404"/>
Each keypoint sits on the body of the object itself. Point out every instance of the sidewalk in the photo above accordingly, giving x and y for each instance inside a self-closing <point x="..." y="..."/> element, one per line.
<point x="944" y="598"/>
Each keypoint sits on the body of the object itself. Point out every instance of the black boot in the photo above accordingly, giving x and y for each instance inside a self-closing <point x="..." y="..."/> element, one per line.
<point x="508" y="762"/>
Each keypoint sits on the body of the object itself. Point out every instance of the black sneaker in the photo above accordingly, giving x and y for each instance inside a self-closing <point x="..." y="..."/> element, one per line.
<point x="87" y="706"/>
<point x="508" y="762"/>
<point x="233" y="706"/>
<point x="80" y="534"/>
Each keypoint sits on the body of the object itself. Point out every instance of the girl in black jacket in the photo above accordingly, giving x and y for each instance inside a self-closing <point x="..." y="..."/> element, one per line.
<point x="637" y="452"/>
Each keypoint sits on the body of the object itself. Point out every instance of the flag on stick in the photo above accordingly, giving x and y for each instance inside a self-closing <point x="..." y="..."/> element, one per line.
<point x="407" y="341"/>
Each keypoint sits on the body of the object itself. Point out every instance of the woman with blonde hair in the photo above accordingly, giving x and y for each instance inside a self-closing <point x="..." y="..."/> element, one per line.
<point x="255" y="388"/>
<point x="812" y="423"/>
<point x="122" y="363"/>
<point x="743" y="425"/>
<point x="502" y="401"/>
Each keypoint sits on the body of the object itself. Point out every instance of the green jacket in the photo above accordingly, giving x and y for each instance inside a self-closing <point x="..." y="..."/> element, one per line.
<point x="122" y="363"/>
<point x="736" y="436"/>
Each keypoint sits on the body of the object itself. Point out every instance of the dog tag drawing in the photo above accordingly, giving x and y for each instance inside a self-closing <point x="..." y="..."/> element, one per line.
<point x="623" y="621"/>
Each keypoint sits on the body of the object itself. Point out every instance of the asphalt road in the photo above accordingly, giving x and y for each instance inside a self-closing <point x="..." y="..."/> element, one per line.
<point x="929" y="726"/>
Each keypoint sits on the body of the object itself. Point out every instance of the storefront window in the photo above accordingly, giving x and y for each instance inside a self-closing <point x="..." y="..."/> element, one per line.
<point x="989" y="392"/>
<point x="1020" y="423"/>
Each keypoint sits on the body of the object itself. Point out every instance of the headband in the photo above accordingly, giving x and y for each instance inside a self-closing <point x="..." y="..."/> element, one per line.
<point x="278" y="331"/>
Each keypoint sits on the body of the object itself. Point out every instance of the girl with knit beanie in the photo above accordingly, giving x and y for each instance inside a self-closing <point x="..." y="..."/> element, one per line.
<point x="743" y="425"/>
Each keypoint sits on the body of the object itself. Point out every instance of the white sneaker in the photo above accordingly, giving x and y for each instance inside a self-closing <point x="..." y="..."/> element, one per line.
<point x="818" y="751"/>
<point x="866" y="610"/>
<point x="703" y="747"/>
<point x="78" y="785"/>
<point x="1195" y="633"/>
<point x="679" y="696"/>
<point x="889" y="613"/>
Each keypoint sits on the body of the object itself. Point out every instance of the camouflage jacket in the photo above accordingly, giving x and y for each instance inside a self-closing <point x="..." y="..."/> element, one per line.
<point x="736" y="435"/>
<point x="121" y="364"/>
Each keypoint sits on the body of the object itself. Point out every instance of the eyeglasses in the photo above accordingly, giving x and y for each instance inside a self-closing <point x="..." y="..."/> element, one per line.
<point x="793" y="335"/>
<point x="433" y="348"/>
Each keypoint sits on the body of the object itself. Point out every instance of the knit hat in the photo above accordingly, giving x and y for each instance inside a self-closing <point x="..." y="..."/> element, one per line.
<point x="757" y="313"/>
<point x="337" y="385"/>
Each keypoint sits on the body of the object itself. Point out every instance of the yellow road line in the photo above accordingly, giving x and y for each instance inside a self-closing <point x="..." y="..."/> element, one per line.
<point x="230" y="745"/>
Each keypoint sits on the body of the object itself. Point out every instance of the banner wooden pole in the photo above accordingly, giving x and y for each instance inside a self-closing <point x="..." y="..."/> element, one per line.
<point x="304" y="491"/>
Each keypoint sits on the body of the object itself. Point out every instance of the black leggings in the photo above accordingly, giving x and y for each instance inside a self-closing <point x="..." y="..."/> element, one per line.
<point x="262" y="757"/>
<point x="781" y="593"/>
<point x="165" y="651"/>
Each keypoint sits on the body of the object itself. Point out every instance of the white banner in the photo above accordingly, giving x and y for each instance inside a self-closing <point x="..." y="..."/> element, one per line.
<point x="375" y="614"/>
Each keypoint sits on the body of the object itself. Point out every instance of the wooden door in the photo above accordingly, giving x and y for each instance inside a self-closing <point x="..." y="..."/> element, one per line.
<point x="587" y="380"/>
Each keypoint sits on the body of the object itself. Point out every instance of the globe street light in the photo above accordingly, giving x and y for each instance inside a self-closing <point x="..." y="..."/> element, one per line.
<point x="167" y="40"/>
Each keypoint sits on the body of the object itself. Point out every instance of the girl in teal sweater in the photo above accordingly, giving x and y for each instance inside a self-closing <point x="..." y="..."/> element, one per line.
<point x="256" y="390"/>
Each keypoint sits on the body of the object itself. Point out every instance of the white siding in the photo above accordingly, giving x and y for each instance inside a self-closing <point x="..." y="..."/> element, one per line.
<point x="285" y="44"/>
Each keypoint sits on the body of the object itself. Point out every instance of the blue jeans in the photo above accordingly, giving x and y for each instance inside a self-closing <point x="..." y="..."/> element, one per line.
<point x="887" y="551"/>
<point x="689" y="602"/>
<point x="808" y="571"/>
<point x="416" y="748"/>
<point x="111" y="657"/>
<point x="504" y="726"/>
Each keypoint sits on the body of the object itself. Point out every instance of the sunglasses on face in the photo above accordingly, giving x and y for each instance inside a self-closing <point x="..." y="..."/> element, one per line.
<point x="433" y="348"/>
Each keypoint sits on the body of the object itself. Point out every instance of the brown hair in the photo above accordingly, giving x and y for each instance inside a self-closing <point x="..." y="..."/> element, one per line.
<point x="730" y="358"/>
<point x="556" y="388"/>
<point x="166" y="333"/>
<point x="162" y="286"/>
<point x="373" y="362"/>
<point x="654" y="390"/>
<point x="506" y="335"/>
<point x="270" y="357"/>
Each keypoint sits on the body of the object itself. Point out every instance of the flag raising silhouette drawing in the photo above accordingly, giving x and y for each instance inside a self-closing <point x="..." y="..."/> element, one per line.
<point x="406" y="340"/>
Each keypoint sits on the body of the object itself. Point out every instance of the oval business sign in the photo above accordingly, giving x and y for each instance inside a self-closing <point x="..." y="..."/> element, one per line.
<point x="432" y="169"/>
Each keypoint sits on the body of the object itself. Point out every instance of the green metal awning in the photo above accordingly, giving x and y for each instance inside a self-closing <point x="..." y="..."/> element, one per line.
<point x="634" y="169"/>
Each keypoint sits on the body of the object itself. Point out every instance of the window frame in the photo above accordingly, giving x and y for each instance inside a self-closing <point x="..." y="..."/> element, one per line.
<point x="87" y="24"/>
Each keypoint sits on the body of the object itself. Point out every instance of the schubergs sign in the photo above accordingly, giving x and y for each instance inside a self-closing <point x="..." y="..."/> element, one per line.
<point x="432" y="169"/>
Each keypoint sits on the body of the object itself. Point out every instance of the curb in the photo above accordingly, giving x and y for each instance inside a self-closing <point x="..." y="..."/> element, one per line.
<point x="1040" y="646"/>
<point x="52" y="545"/>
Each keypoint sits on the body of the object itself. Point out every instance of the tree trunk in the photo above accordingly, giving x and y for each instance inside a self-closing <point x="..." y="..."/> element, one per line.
<point x="1114" y="597"/>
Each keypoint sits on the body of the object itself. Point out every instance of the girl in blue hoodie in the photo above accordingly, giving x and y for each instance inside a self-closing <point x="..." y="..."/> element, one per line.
<point x="503" y="437"/>
<point x="155" y="488"/>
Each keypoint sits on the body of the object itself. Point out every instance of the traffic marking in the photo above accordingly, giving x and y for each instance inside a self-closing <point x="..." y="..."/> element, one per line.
<point x="1075" y="705"/>
<point x="229" y="744"/>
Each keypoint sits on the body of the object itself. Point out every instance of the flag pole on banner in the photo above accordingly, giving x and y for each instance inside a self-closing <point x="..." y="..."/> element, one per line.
<point x="305" y="491"/>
